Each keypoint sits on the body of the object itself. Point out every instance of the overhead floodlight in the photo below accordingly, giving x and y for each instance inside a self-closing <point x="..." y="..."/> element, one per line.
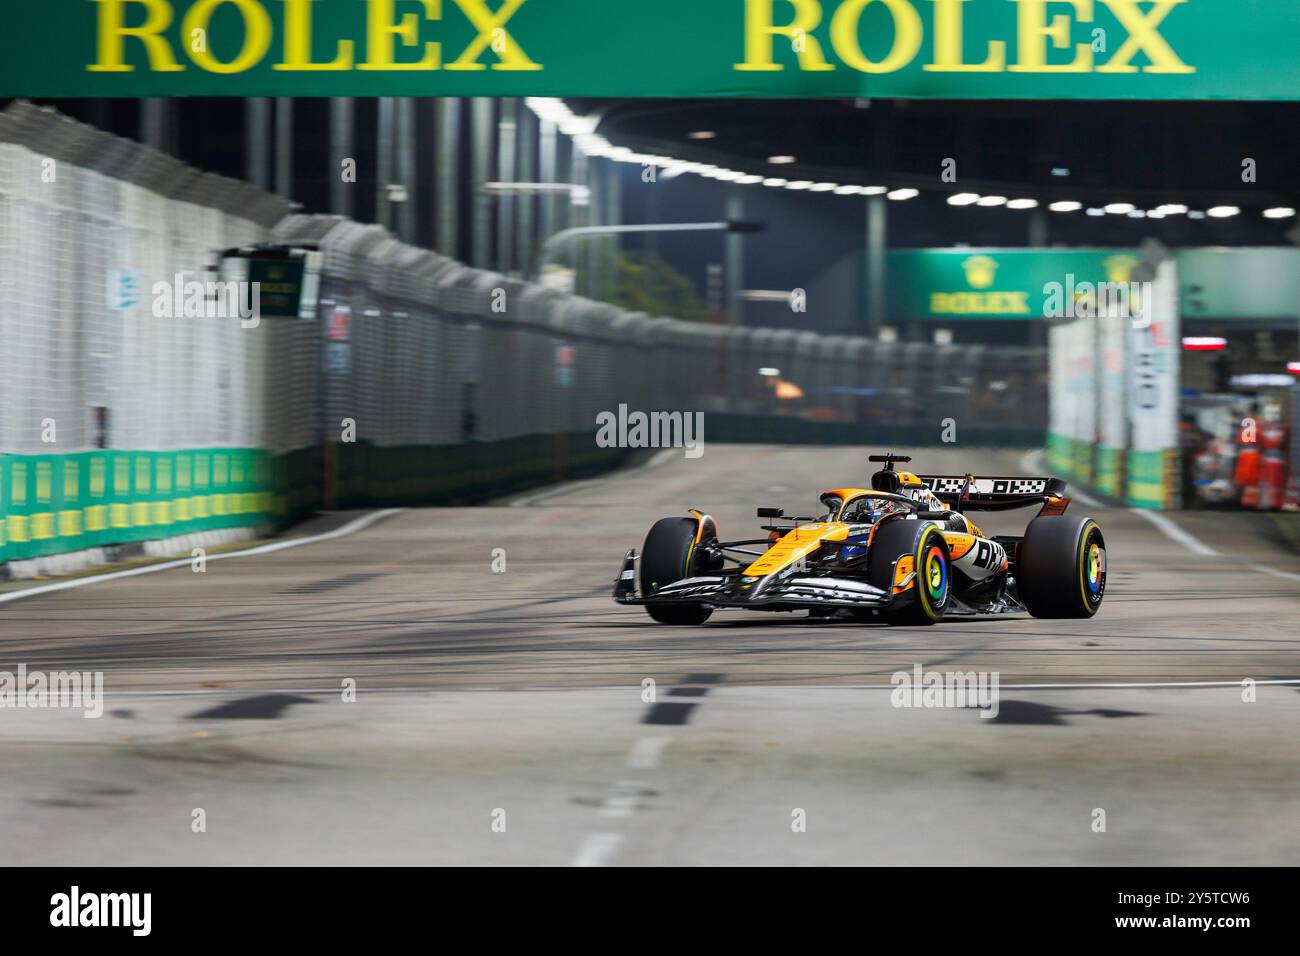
<point x="1262" y="380"/>
<point x="1204" y="343"/>
<point x="573" y="125"/>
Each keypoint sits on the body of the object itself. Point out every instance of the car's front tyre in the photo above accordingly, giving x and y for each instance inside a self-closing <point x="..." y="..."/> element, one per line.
<point x="670" y="554"/>
<point x="930" y="592"/>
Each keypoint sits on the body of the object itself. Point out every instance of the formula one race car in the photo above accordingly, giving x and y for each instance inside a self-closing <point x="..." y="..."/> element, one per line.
<point x="902" y="550"/>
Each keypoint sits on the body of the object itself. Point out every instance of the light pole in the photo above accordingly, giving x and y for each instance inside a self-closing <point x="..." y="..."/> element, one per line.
<point x="553" y="244"/>
<point x="577" y="194"/>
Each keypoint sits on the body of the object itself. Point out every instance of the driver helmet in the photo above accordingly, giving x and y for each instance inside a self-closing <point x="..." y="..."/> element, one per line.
<point x="869" y="509"/>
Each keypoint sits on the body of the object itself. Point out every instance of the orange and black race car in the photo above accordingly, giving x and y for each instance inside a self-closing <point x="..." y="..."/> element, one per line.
<point x="902" y="551"/>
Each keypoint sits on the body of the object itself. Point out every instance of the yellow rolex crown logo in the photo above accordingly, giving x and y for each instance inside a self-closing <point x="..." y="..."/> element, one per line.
<point x="980" y="271"/>
<point x="1119" y="268"/>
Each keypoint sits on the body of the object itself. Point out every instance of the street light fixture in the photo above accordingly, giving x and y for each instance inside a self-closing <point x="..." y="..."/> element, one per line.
<point x="579" y="195"/>
<point x="553" y="244"/>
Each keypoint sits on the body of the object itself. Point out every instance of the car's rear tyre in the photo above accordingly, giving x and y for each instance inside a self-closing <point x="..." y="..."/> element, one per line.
<point x="1061" y="567"/>
<point x="931" y="591"/>
<point x="668" y="555"/>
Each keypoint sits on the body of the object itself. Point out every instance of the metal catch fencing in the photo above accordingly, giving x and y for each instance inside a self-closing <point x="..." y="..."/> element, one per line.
<point x="422" y="380"/>
<point x="120" y="418"/>
<point x="441" y="354"/>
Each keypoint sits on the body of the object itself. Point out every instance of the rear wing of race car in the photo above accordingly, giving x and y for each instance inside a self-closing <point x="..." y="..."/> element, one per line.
<point x="968" y="493"/>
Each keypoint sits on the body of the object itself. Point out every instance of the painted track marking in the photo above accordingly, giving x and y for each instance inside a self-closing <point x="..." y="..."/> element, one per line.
<point x="598" y="849"/>
<point x="645" y="753"/>
<point x="352" y="527"/>
<point x="333" y="691"/>
<point x="1174" y="533"/>
<point x="1169" y="529"/>
<point x="568" y="487"/>
<point x="1032" y="461"/>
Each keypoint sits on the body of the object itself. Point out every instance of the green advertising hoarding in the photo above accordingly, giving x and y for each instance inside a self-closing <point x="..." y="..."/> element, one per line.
<point x="992" y="49"/>
<point x="1240" y="283"/>
<point x="50" y="504"/>
<point x="959" y="284"/>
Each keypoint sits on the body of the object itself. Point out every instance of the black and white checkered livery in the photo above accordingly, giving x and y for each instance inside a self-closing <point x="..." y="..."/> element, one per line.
<point x="992" y="493"/>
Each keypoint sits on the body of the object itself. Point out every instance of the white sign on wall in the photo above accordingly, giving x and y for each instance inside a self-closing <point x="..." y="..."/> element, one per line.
<point x="123" y="289"/>
<point x="1153" y="367"/>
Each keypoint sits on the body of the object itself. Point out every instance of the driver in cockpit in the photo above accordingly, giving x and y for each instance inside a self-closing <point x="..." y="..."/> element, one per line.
<point x="869" y="509"/>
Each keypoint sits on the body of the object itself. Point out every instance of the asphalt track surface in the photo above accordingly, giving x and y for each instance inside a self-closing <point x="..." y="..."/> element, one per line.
<point x="518" y="697"/>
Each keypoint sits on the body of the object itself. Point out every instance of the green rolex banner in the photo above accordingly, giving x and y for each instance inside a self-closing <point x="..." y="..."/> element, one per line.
<point x="997" y="49"/>
<point x="955" y="284"/>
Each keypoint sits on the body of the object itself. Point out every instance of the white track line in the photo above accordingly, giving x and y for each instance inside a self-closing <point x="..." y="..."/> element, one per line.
<point x="654" y="462"/>
<point x="1175" y="533"/>
<point x="622" y="800"/>
<point x="332" y="691"/>
<point x="1032" y="462"/>
<point x="644" y="754"/>
<point x="1148" y="686"/>
<point x="1286" y="575"/>
<point x="1167" y="527"/>
<point x="353" y="526"/>
<point x="598" y="849"/>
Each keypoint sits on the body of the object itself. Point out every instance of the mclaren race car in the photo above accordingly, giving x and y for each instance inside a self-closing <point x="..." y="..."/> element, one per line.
<point x="903" y="551"/>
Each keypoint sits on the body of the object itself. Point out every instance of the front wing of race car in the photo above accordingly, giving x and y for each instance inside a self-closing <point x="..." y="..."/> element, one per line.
<point x="821" y="589"/>
<point x="766" y="593"/>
